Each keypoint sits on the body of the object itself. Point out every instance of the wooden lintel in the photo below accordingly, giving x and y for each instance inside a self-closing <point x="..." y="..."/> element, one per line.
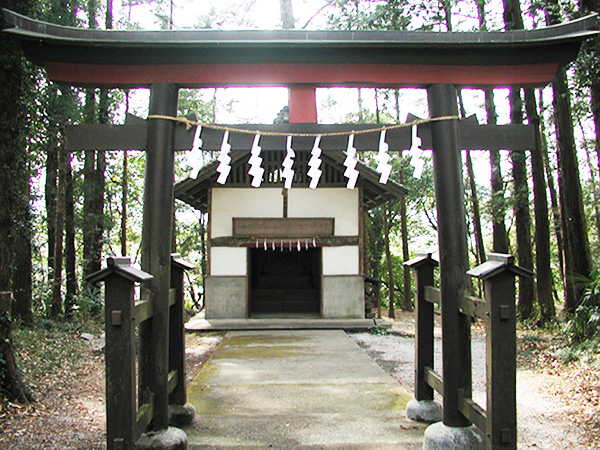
<point x="119" y="137"/>
<point x="519" y="137"/>
<point x="283" y="227"/>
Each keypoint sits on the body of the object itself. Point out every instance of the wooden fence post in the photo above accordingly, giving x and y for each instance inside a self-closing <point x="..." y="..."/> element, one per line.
<point x="121" y="409"/>
<point x="180" y="413"/>
<point x="423" y="408"/>
<point x="498" y="274"/>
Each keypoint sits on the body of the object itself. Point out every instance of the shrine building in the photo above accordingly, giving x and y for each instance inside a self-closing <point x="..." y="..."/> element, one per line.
<point x="275" y="252"/>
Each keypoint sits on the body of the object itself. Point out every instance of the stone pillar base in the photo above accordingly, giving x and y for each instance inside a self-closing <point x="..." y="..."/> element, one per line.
<point x="169" y="439"/>
<point x="441" y="437"/>
<point x="181" y="415"/>
<point x="428" y="411"/>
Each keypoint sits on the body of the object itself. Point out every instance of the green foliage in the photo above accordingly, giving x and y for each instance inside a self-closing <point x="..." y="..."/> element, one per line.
<point x="90" y="302"/>
<point x="584" y="324"/>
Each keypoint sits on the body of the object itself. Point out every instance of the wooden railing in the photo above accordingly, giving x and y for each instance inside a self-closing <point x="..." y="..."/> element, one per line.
<point x="128" y="414"/>
<point x="498" y="421"/>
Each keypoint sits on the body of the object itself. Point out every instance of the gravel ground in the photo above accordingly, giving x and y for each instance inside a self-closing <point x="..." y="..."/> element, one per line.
<point x="542" y="418"/>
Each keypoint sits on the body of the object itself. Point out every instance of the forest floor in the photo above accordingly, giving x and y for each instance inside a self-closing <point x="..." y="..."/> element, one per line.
<point x="66" y="374"/>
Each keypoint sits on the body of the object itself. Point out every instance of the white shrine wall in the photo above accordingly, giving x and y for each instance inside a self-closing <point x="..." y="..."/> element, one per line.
<point x="342" y="283"/>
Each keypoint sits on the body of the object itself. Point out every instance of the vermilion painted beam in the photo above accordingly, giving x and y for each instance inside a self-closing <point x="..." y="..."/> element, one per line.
<point x="377" y="75"/>
<point x="303" y="104"/>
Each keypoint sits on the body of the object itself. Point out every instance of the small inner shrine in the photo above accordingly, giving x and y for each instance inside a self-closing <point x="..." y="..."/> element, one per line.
<point x="276" y="252"/>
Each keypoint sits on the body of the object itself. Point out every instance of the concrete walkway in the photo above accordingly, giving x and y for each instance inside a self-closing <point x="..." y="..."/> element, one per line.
<point x="297" y="390"/>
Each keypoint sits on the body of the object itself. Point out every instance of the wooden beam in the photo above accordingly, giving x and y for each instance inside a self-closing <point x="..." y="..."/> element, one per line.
<point x="283" y="227"/>
<point x="303" y="104"/>
<point x="515" y="137"/>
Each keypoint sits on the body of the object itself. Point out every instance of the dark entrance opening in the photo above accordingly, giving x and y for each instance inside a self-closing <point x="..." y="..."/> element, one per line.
<point x="285" y="283"/>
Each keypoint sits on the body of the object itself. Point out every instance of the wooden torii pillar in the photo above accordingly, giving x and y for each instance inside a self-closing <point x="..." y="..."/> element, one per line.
<point x="157" y="244"/>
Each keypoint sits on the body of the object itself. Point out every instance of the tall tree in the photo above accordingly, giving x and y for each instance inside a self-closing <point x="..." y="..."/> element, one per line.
<point x="387" y="219"/>
<point x="15" y="217"/>
<point x="70" y="251"/>
<point x="479" y="246"/>
<point x="542" y="226"/>
<point x="576" y="251"/>
<point x="498" y="203"/>
<point x="513" y="20"/>
<point x="56" y="303"/>
<point x="13" y="198"/>
<point x="94" y="168"/>
<point x="590" y="71"/>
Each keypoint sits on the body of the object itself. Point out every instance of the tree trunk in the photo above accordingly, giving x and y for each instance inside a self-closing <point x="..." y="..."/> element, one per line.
<point x="94" y="167"/>
<point x="406" y="287"/>
<point x="388" y="257"/>
<point x="500" y="236"/>
<point x="87" y="226"/>
<point x="11" y="384"/>
<point x="124" y="199"/>
<point x="553" y="201"/>
<point x="576" y="253"/>
<point x="22" y="273"/>
<point x="513" y="20"/>
<point x="15" y="218"/>
<point x="50" y="194"/>
<point x="479" y="246"/>
<point x="522" y="217"/>
<point x="70" y="253"/>
<point x="14" y="203"/>
<point x="287" y="14"/>
<point x="56" y="303"/>
<point x="124" y="191"/>
<point x="593" y="48"/>
<point x="595" y="186"/>
<point x="542" y="226"/>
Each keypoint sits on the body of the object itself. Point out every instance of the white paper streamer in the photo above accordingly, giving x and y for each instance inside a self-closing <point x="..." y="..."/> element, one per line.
<point x="224" y="159"/>
<point x="288" y="173"/>
<point x="314" y="163"/>
<point x="195" y="155"/>
<point x="415" y="154"/>
<point x="382" y="158"/>
<point x="255" y="161"/>
<point x="350" y="163"/>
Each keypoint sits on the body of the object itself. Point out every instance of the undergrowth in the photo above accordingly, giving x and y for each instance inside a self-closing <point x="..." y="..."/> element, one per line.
<point x="52" y="348"/>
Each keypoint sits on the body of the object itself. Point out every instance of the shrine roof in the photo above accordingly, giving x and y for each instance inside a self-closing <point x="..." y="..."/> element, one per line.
<point x="195" y="192"/>
<point x="193" y="58"/>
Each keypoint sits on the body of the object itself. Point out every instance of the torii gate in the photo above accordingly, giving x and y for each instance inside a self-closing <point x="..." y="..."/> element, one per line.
<point x="304" y="60"/>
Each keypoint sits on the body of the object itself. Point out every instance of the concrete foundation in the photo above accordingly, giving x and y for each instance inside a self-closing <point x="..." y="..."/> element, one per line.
<point x="226" y="297"/>
<point x="169" y="439"/>
<point x="428" y="411"/>
<point x="181" y="415"/>
<point x="441" y="437"/>
<point x="343" y="297"/>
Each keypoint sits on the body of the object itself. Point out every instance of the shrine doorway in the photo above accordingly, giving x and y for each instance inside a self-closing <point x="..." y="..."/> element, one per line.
<point x="285" y="282"/>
